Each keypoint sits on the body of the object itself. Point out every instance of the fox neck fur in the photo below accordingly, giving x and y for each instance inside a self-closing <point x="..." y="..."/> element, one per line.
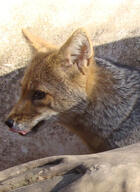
<point x="104" y="116"/>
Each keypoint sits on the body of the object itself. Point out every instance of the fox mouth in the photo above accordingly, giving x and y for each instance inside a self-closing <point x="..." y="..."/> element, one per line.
<point x="21" y="132"/>
<point x="28" y="132"/>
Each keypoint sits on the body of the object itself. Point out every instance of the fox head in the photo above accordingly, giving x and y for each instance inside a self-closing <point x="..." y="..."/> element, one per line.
<point x="56" y="80"/>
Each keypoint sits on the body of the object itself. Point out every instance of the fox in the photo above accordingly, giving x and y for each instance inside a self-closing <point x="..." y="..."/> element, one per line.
<point x="95" y="98"/>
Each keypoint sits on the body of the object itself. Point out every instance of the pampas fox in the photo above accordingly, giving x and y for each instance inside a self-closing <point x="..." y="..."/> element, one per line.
<point x="95" y="98"/>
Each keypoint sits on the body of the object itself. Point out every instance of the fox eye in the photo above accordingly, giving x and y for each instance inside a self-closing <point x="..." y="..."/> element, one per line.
<point x="37" y="95"/>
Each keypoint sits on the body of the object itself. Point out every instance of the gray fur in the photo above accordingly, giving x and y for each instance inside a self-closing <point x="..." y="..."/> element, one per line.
<point x="117" y="117"/>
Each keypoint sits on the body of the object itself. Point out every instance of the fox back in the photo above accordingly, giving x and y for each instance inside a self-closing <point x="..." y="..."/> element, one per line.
<point x="95" y="98"/>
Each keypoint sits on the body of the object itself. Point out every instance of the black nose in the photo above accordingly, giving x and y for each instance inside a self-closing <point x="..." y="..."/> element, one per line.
<point x="9" y="123"/>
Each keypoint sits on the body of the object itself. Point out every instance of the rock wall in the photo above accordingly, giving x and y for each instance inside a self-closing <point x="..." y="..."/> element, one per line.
<point x="115" y="30"/>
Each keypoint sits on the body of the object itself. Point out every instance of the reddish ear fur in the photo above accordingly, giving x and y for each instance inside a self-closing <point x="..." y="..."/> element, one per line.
<point x="77" y="49"/>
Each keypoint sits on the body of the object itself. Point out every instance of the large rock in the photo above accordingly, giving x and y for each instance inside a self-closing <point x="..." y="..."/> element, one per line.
<point x="112" y="171"/>
<point x="115" y="29"/>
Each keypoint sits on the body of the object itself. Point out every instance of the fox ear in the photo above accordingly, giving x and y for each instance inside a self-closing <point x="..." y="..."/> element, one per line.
<point x="37" y="43"/>
<point x="77" y="50"/>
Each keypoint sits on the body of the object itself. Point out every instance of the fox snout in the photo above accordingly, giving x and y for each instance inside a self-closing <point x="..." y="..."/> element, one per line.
<point x="19" y="119"/>
<point x="16" y="120"/>
<point x="26" y="114"/>
<point x="14" y="128"/>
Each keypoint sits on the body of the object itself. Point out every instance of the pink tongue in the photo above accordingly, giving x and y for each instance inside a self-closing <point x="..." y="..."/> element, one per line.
<point x="21" y="132"/>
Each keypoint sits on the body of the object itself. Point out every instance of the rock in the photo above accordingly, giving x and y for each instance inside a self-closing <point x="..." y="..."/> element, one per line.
<point x="116" y="171"/>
